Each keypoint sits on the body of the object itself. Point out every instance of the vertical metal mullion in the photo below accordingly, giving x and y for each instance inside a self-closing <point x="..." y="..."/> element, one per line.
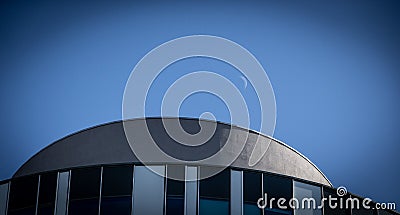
<point x="133" y="187"/>
<point x="294" y="209"/>
<point x="165" y="189"/>
<point x="230" y="192"/>
<point x="8" y="196"/>
<point x="37" y="195"/>
<point x="184" y="191"/>
<point x="262" y="192"/>
<point x="322" y="197"/>
<point x="351" y="208"/>
<point x="55" y="203"/>
<point x="101" y="188"/>
<point x="68" y="190"/>
<point x="198" y="190"/>
<point x="242" y="193"/>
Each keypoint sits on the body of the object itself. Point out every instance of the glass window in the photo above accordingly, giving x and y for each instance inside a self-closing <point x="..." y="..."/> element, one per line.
<point x="62" y="193"/>
<point x="332" y="203"/>
<point x="175" y="190"/>
<point x="3" y="198"/>
<point x="214" y="192"/>
<point x="84" y="191"/>
<point x="23" y="195"/>
<point x="148" y="194"/>
<point x="47" y="193"/>
<point x="309" y="197"/>
<point x="116" y="194"/>
<point x="191" y="188"/>
<point x="277" y="187"/>
<point x="236" y="192"/>
<point x="252" y="191"/>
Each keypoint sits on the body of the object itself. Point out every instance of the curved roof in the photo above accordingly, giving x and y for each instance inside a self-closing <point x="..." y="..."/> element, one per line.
<point x="107" y="144"/>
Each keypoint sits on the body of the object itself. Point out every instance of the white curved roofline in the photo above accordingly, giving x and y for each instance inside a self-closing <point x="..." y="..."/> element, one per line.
<point x="67" y="137"/>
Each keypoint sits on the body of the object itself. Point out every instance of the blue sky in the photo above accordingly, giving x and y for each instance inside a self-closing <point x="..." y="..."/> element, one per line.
<point x="334" y="67"/>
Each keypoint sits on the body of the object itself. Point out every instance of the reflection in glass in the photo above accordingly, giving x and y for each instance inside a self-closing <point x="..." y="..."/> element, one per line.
<point x="84" y="191"/>
<point x="47" y="193"/>
<point x="3" y="198"/>
<point x="148" y="194"/>
<point x="191" y="194"/>
<point x="236" y="192"/>
<point x="251" y="192"/>
<point x="277" y="187"/>
<point x="62" y="193"/>
<point x="175" y="190"/>
<point x="23" y="194"/>
<point x="116" y="196"/>
<point x="214" y="192"/>
<point x="304" y="191"/>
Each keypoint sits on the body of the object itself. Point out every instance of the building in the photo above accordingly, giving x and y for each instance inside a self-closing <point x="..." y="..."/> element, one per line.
<point x="95" y="171"/>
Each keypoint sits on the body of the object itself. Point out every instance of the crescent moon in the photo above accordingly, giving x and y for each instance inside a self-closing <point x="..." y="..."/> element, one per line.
<point x="244" y="81"/>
